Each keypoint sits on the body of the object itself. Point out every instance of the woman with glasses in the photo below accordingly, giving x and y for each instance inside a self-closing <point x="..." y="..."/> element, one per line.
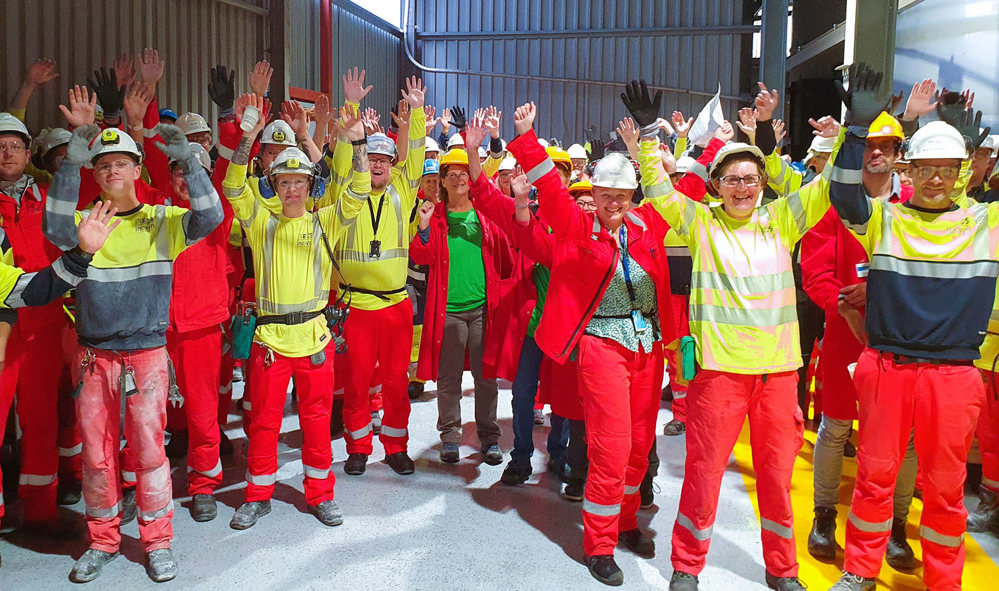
<point x="467" y="256"/>
<point x="744" y="324"/>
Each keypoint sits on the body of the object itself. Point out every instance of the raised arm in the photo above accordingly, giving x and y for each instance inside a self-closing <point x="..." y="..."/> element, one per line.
<point x="59" y="221"/>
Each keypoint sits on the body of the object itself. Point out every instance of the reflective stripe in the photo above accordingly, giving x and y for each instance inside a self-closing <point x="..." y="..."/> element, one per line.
<point x="150" y="133"/>
<point x="62" y="208"/>
<point x="745" y="285"/>
<point x="355" y="435"/>
<point x="595" y="234"/>
<point x="354" y="255"/>
<point x="247" y="405"/>
<point x="226" y="388"/>
<point x="938" y="538"/>
<point x="993" y="484"/>
<point x="540" y="170"/>
<point x="780" y="530"/>
<point x="598" y="509"/>
<point x="232" y="192"/>
<point x="316" y="473"/>
<point x="630" y="490"/>
<point x="797" y="209"/>
<point x="268" y="307"/>
<point x="162" y="235"/>
<point x="36" y="479"/>
<point x="657" y="190"/>
<point x="59" y="268"/>
<point x="846" y="176"/>
<point x="225" y="152"/>
<point x="949" y="269"/>
<point x="401" y="232"/>
<point x="1" y="499"/>
<point x="148" y="516"/>
<point x="210" y="473"/>
<point x="701" y="535"/>
<point x="101" y="513"/>
<point x="121" y="274"/>
<point x="737" y="317"/>
<point x="261" y="479"/>
<point x="678" y="251"/>
<point x="679" y="395"/>
<point x="869" y="526"/>
<point x="636" y="220"/>
<point x="68" y="452"/>
<point x="700" y="170"/>
<point x="128" y="476"/>
<point x="270" y="230"/>
<point x="417" y="275"/>
<point x="393" y="432"/>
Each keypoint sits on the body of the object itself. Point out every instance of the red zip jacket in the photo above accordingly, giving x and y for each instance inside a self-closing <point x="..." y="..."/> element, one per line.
<point x="586" y="255"/>
<point x="497" y="260"/>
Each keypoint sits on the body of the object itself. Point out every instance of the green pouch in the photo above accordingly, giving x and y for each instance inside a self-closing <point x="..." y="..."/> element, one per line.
<point x="688" y="354"/>
<point x="242" y="328"/>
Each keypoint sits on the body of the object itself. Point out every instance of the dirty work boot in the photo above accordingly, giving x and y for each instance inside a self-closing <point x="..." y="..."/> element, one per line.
<point x="822" y="538"/>
<point x="204" y="508"/>
<point x="852" y="582"/>
<point x="674" y="428"/>
<point x="89" y="566"/>
<point x="985" y="517"/>
<point x="356" y="464"/>
<point x="161" y="565"/>
<point x="415" y="390"/>
<point x="899" y="555"/>
<point x="248" y="513"/>
<point x="681" y="581"/>
<point x="604" y="569"/>
<point x="516" y="473"/>
<point x="328" y="513"/>
<point x="784" y="583"/>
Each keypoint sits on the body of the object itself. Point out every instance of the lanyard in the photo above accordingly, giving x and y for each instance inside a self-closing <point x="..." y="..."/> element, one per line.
<point x="375" y="220"/>
<point x="626" y="267"/>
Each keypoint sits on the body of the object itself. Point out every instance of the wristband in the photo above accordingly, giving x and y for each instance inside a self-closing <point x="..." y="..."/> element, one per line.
<point x="360" y="142"/>
<point x="525" y="206"/>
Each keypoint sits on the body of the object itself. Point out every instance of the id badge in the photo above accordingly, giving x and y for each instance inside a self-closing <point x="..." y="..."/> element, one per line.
<point x="638" y="320"/>
<point x="318" y="359"/>
<point x="375" y="250"/>
<point x="862" y="270"/>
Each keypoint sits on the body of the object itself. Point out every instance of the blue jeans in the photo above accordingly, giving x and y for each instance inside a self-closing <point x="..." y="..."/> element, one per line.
<point x="525" y="389"/>
<point x="558" y="440"/>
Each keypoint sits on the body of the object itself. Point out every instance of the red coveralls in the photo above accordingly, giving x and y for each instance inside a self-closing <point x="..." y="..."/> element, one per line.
<point x="34" y="368"/>
<point x="620" y="428"/>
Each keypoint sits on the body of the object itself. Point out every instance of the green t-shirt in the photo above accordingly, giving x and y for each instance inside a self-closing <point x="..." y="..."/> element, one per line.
<point x="542" y="275"/>
<point x="466" y="281"/>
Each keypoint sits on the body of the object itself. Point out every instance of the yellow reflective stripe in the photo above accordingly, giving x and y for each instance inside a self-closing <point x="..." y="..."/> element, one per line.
<point x="744" y="285"/>
<point x="869" y="526"/>
<point x="937" y="269"/>
<point x="598" y="509"/>
<point x="771" y="317"/>
<point x="781" y="530"/>
<point x="317" y="256"/>
<point x="699" y="534"/>
<point x="936" y="537"/>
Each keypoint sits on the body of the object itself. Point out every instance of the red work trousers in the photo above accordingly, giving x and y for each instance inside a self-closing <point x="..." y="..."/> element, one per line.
<point x="269" y="380"/>
<point x="620" y="390"/>
<point x="988" y="432"/>
<point x="382" y="337"/>
<point x="34" y="372"/>
<point x="719" y="403"/>
<point x="197" y="357"/>
<point x="98" y="411"/>
<point x="942" y="404"/>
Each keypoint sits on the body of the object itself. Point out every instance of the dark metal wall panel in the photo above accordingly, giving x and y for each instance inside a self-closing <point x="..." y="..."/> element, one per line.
<point x="573" y="57"/>
<point x="191" y="36"/>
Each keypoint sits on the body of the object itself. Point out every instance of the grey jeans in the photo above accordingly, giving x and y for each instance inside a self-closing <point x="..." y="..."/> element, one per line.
<point x="828" y="467"/>
<point x="465" y="330"/>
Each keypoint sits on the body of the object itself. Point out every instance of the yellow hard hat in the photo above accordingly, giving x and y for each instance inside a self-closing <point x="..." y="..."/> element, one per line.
<point x="580" y="187"/>
<point x="559" y="156"/>
<point x="886" y="126"/>
<point x="454" y="156"/>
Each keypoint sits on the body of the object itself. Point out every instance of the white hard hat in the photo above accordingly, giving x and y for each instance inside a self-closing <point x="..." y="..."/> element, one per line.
<point x="379" y="143"/>
<point x="990" y="143"/>
<point x="432" y="145"/>
<point x="937" y="139"/>
<point x="51" y="138"/>
<point x="577" y="151"/>
<point x="455" y="140"/>
<point x="995" y="143"/>
<point x="482" y="152"/>
<point x="508" y="163"/>
<point x="192" y="123"/>
<point x="544" y="143"/>
<point x="822" y="144"/>
<point x="684" y="164"/>
<point x="112" y="141"/>
<point x="279" y="133"/>
<point x="201" y="154"/>
<point x="291" y="161"/>
<point x="11" y="124"/>
<point x="735" y="148"/>
<point x="614" y="171"/>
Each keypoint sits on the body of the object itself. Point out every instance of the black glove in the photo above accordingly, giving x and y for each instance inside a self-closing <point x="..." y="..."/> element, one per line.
<point x="596" y="144"/>
<point x="458" y="118"/>
<point x="863" y="103"/>
<point x="951" y="109"/>
<point x="640" y="104"/>
<point x="105" y="85"/>
<point x="221" y="87"/>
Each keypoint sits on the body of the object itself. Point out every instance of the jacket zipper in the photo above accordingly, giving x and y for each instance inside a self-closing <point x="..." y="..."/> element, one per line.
<point x="592" y="306"/>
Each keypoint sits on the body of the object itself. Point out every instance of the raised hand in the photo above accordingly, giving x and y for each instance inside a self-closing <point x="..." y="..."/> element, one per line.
<point x="429" y="113"/>
<point x="825" y="127"/>
<point x="426" y="213"/>
<point x="137" y="99"/>
<point x="863" y="100"/>
<point x="628" y="133"/>
<point x="415" y="92"/>
<point x="354" y="90"/>
<point x="353" y="127"/>
<point x="922" y="100"/>
<point x="294" y="115"/>
<point x="475" y="133"/>
<point x="492" y="121"/>
<point x="260" y="78"/>
<point x="779" y="130"/>
<point x="725" y="133"/>
<point x="82" y="106"/>
<point x="222" y="87"/>
<point x="523" y="117"/>
<point x="124" y="69"/>
<point x="78" y="150"/>
<point x="110" y="95"/>
<point x="682" y="125"/>
<point x="458" y="117"/>
<point x="401" y="117"/>
<point x="446" y="121"/>
<point x="151" y="68"/>
<point x="747" y="122"/>
<point x="94" y="229"/>
<point x="40" y="72"/>
<point x="322" y="110"/>
<point x="176" y="148"/>
<point x="663" y="124"/>
<point x="521" y="188"/>
<point x="642" y="106"/>
<point x="766" y="102"/>
<point x="967" y="121"/>
<point x="370" y="119"/>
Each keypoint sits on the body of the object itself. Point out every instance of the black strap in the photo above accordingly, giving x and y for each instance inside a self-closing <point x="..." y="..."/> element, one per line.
<point x="326" y="243"/>
<point x="375" y="220"/>
<point x="290" y="318"/>
<point x="380" y="294"/>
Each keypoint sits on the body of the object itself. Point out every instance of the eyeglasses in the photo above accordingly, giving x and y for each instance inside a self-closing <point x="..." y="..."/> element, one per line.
<point x="925" y="173"/>
<point x="750" y="180"/>
<point x="291" y="183"/>
<point x="12" y="148"/>
<point x="457" y="176"/>
<point x="122" y="165"/>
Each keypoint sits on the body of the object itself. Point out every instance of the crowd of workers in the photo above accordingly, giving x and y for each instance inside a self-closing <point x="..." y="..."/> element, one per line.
<point x="156" y="257"/>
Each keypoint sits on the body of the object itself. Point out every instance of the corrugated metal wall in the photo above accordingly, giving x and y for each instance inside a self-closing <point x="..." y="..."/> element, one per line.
<point x="191" y="35"/>
<point x="593" y="47"/>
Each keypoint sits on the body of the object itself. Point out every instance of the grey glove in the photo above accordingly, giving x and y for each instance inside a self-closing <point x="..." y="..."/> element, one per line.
<point x="176" y="148"/>
<point x="78" y="150"/>
<point x="862" y="100"/>
<point x="967" y="121"/>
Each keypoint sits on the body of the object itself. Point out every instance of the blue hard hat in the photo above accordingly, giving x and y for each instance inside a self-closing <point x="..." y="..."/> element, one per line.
<point x="168" y="113"/>
<point x="431" y="167"/>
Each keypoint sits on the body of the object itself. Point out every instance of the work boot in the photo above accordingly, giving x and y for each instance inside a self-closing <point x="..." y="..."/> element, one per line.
<point x="559" y="468"/>
<point x="822" y="538"/>
<point x="69" y="492"/>
<point x="401" y="463"/>
<point x="128" y="509"/>
<point x="985" y="517"/>
<point x="681" y="581"/>
<point x="376" y="422"/>
<point x="899" y="555"/>
<point x="415" y="390"/>
<point x="646" y="492"/>
<point x="204" y="508"/>
<point x="177" y="448"/>
<point x="225" y="444"/>
<point x="328" y="513"/>
<point x="248" y="514"/>
<point x="574" y="490"/>
<point x="784" y="583"/>
<point x="449" y="453"/>
<point x="356" y="464"/>
<point x="849" y="450"/>
<point x="493" y="455"/>
<point x="852" y="582"/>
<point x="161" y="566"/>
<point x="604" y="569"/>
<point x="674" y="428"/>
<point x="89" y="566"/>
<point x="638" y="543"/>
<point x="516" y="473"/>
<point x="336" y="419"/>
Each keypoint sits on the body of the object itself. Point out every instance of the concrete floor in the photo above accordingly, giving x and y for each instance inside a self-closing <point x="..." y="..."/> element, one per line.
<point x="447" y="526"/>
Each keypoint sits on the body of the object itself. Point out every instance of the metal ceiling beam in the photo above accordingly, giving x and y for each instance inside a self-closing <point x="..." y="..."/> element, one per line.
<point x="773" y="58"/>
<point x="573" y="33"/>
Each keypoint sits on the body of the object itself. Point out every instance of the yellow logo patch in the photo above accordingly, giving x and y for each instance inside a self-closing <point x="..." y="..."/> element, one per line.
<point x="110" y="136"/>
<point x="278" y="136"/>
<point x="292" y="163"/>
